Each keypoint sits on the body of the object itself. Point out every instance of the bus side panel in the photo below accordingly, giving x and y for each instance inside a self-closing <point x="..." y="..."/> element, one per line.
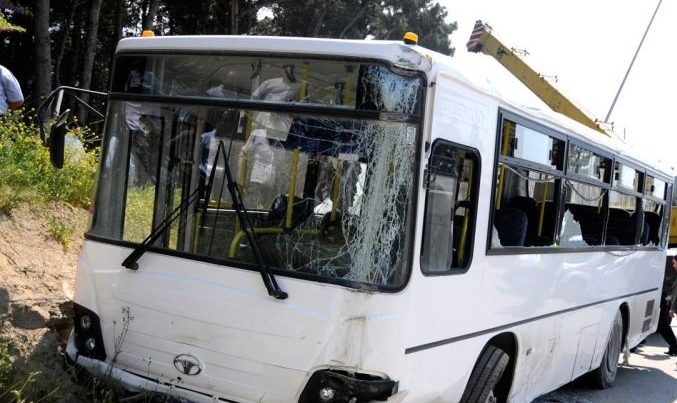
<point x="561" y="304"/>
<point x="444" y="306"/>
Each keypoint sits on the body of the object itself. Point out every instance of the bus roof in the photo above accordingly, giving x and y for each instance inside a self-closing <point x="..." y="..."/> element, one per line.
<point x="480" y="73"/>
<point x="387" y="50"/>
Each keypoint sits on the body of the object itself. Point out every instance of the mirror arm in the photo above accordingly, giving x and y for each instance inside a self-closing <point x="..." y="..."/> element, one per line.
<point x="59" y="92"/>
<point x="88" y="106"/>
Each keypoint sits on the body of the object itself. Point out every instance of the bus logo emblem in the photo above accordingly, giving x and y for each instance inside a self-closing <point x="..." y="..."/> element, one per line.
<point x="187" y="364"/>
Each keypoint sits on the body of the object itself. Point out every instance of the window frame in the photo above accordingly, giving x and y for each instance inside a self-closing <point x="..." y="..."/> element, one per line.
<point x="520" y="163"/>
<point x="473" y="213"/>
<point x="607" y="184"/>
<point x="318" y="110"/>
<point x="604" y="183"/>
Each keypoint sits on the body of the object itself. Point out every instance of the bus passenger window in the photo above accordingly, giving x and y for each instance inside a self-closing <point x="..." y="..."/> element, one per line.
<point x="624" y="215"/>
<point x="653" y="206"/>
<point x="526" y="207"/>
<point x="583" y="220"/>
<point x="528" y="185"/>
<point x="451" y="182"/>
<point x="622" y="223"/>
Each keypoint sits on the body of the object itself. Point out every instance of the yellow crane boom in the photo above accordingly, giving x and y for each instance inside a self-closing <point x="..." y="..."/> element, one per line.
<point x="482" y="40"/>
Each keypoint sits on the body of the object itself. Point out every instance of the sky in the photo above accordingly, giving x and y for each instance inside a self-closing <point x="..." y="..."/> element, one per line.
<point x="588" y="45"/>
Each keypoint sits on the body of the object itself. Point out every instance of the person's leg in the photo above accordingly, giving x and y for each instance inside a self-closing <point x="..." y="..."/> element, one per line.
<point x="665" y="330"/>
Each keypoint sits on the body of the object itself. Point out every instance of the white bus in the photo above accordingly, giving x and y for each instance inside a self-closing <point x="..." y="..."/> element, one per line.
<point x="315" y="220"/>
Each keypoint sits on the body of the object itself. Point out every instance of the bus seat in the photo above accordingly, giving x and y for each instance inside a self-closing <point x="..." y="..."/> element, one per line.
<point x="301" y="211"/>
<point x="532" y="210"/>
<point x="511" y="224"/>
<point x="644" y="239"/>
<point x="622" y="226"/>
<point x="653" y="220"/>
<point x="590" y="221"/>
<point x="644" y="236"/>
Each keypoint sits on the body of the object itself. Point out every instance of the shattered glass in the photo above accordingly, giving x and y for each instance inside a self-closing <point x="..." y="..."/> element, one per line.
<point x="328" y="196"/>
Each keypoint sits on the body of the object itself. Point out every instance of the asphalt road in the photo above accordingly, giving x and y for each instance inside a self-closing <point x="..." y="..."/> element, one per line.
<point x="650" y="376"/>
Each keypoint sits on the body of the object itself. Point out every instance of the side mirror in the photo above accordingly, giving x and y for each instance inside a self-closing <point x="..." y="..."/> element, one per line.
<point x="53" y="122"/>
<point x="57" y="136"/>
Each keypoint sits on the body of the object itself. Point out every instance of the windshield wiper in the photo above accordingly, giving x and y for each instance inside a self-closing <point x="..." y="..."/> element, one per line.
<point x="235" y="195"/>
<point x="131" y="261"/>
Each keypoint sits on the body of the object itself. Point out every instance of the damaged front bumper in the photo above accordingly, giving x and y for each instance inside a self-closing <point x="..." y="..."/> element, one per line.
<point x="133" y="382"/>
<point x="327" y="386"/>
<point x="332" y="386"/>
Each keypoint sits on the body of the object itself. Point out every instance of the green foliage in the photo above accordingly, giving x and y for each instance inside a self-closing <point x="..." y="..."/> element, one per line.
<point x="423" y="17"/>
<point x="60" y="231"/>
<point x="26" y="174"/>
<point x="6" y="26"/>
<point x="357" y="19"/>
<point x="139" y="213"/>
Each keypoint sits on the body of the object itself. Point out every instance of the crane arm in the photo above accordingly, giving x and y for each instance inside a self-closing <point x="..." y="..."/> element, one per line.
<point x="482" y="40"/>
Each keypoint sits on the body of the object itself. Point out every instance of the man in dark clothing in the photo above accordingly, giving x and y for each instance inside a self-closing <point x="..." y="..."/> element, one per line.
<point x="668" y="305"/>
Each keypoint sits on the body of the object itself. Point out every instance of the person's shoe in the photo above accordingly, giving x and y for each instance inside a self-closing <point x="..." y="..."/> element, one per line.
<point x="672" y="351"/>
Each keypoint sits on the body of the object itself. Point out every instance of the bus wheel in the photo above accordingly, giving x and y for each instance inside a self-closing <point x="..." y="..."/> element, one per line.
<point x="486" y="376"/>
<point x="605" y="375"/>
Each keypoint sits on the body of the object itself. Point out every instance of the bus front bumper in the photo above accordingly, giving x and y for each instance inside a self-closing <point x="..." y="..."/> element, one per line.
<point x="132" y="382"/>
<point x="139" y="384"/>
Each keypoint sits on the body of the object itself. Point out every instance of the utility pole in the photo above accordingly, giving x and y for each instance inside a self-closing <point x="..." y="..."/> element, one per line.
<point x="608" y="115"/>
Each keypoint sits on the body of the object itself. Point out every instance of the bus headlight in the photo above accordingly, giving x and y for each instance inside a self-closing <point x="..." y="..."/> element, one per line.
<point x="327" y="394"/>
<point x="85" y="322"/>
<point x="87" y="333"/>
<point x="90" y="344"/>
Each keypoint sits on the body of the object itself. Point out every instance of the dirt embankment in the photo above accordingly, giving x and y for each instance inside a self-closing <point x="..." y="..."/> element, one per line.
<point x="36" y="284"/>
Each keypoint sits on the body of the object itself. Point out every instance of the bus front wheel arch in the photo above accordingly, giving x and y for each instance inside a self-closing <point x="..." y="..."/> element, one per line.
<point x="491" y="377"/>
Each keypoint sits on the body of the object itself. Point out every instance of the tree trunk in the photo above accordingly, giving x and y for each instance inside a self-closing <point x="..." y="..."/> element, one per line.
<point x="61" y="46"/>
<point x="43" y="57"/>
<point x="90" y="51"/>
<point x="320" y="13"/>
<point x="234" y="17"/>
<point x="150" y="16"/>
<point x="119" y="10"/>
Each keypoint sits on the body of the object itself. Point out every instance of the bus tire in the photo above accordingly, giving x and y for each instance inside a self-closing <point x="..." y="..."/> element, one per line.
<point x="604" y="376"/>
<point x="485" y="376"/>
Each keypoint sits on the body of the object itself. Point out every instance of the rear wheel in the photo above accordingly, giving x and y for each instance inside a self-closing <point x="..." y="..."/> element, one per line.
<point x="485" y="377"/>
<point x="604" y="376"/>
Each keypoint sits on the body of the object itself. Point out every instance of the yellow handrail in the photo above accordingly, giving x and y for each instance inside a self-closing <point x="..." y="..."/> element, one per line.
<point x="501" y="169"/>
<point x="466" y="217"/>
<point x="292" y="188"/>
<point x="335" y="190"/>
<point x="542" y="207"/>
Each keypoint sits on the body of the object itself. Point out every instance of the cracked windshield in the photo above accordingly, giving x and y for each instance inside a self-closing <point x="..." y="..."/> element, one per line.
<point x="322" y="153"/>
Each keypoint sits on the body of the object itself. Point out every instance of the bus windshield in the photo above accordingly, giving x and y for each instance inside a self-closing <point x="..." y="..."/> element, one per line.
<point x="323" y="154"/>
